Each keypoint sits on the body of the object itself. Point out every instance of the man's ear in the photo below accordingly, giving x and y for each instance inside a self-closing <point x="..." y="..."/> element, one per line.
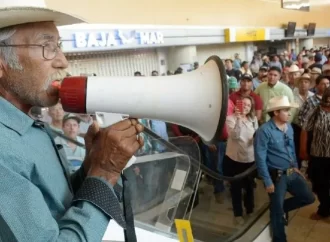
<point x="2" y="68"/>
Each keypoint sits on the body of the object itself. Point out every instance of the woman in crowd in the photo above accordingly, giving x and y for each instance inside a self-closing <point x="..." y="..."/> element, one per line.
<point x="240" y="155"/>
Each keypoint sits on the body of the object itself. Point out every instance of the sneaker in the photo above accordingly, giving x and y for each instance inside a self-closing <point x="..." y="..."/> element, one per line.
<point x="239" y="220"/>
<point x="219" y="198"/>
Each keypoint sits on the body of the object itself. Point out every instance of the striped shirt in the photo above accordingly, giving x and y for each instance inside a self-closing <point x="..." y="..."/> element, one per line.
<point x="308" y="105"/>
<point x="318" y="121"/>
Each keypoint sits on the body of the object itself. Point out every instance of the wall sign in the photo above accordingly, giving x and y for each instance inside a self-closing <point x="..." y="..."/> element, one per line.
<point x="246" y="34"/>
<point x="116" y="38"/>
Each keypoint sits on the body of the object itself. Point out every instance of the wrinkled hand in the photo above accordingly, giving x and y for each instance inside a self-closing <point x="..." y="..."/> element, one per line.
<point x="270" y="189"/>
<point x="109" y="149"/>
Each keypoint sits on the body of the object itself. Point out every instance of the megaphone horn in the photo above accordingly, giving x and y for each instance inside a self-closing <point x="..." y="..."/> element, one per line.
<point x="197" y="100"/>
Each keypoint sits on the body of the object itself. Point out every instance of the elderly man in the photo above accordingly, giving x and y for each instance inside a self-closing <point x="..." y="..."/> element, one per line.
<point x="40" y="201"/>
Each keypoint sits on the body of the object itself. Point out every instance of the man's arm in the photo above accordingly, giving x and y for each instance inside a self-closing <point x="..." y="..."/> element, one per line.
<point x="25" y="215"/>
<point x="260" y="153"/>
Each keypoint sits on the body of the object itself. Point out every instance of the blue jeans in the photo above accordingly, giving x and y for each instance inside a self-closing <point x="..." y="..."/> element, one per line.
<point x="214" y="161"/>
<point x="297" y="186"/>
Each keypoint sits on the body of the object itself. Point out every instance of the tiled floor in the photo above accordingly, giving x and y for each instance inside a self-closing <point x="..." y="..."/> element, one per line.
<point x="303" y="229"/>
<point x="212" y="220"/>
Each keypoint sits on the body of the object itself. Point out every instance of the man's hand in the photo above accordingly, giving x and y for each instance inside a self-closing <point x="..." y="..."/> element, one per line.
<point x="111" y="148"/>
<point x="270" y="189"/>
<point x="299" y="172"/>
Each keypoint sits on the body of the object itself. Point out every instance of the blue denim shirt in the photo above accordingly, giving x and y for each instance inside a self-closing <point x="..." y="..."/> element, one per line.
<point x="37" y="201"/>
<point x="273" y="149"/>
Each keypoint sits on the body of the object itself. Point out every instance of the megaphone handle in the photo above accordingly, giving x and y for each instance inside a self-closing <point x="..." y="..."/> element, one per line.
<point x="107" y="119"/>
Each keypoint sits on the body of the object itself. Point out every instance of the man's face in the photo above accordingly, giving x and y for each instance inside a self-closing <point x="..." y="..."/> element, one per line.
<point x="259" y="56"/>
<point x="324" y="84"/>
<point x="326" y="73"/>
<point x="273" y="77"/>
<point x="246" y="85"/>
<point x="31" y="86"/>
<point x="262" y="74"/>
<point x="304" y="85"/>
<point x="56" y="112"/>
<point x="71" y="128"/>
<point x="246" y="66"/>
<point x="229" y="65"/>
<point x="283" y="115"/>
<point x="294" y="75"/>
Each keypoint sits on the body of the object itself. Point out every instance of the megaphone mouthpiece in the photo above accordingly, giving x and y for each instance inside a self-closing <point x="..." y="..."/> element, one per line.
<point x="196" y="100"/>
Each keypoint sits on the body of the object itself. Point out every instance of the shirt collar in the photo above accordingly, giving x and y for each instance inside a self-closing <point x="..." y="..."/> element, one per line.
<point x="13" y="118"/>
<point x="273" y="126"/>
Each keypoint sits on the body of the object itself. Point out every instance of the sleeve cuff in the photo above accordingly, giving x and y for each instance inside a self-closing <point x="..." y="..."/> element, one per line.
<point x="268" y="182"/>
<point x="98" y="192"/>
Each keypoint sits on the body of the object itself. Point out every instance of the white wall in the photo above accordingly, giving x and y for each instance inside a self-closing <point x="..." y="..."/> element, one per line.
<point x="321" y="42"/>
<point x="178" y="55"/>
<point x="224" y="51"/>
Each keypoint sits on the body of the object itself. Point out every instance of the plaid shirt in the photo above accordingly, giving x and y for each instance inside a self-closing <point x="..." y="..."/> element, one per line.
<point x="309" y="104"/>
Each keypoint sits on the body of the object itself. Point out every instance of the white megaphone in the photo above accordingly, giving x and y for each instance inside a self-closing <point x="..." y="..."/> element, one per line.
<point x="196" y="100"/>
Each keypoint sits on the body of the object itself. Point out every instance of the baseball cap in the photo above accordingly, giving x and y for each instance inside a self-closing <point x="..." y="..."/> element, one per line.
<point x="232" y="83"/>
<point x="71" y="116"/>
<point x="263" y="68"/>
<point x="246" y="77"/>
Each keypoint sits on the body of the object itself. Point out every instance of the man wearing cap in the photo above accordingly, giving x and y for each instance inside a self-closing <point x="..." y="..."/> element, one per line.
<point x="71" y="126"/>
<point x="276" y="162"/>
<point x="318" y="61"/>
<point x="262" y="75"/>
<point x="232" y="84"/>
<point x="294" y="73"/>
<point x="40" y="201"/>
<point x="272" y="88"/>
<point x="246" y="90"/>
<point x="315" y="73"/>
<point x="301" y="93"/>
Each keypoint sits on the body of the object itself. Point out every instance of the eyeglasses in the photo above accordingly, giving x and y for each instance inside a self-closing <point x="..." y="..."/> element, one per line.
<point x="49" y="50"/>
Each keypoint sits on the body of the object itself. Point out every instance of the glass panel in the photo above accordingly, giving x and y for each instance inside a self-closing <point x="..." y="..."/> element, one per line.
<point x="162" y="183"/>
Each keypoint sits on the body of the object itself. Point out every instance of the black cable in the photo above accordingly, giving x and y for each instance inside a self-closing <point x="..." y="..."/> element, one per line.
<point x="171" y="146"/>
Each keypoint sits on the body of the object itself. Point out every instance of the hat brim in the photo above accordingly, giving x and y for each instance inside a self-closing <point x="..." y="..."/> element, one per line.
<point x="22" y="15"/>
<point x="281" y="107"/>
<point x="297" y="80"/>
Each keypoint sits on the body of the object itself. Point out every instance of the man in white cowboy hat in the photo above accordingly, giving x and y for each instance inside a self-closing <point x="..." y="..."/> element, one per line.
<point x="40" y="201"/>
<point x="315" y="73"/>
<point x="294" y="73"/>
<point x="276" y="162"/>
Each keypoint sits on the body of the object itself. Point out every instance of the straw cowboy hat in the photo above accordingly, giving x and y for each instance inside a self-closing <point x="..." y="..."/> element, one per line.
<point x="15" y="12"/>
<point x="316" y="70"/>
<point x="302" y="77"/>
<point x="295" y="68"/>
<point x="278" y="103"/>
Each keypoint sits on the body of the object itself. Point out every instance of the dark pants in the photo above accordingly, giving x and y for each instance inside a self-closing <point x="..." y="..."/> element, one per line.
<point x="296" y="133"/>
<point x="232" y="168"/>
<point x="297" y="186"/>
<point x="320" y="178"/>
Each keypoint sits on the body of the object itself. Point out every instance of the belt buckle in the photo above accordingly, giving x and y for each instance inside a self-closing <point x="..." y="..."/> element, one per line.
<point x="289" y="171"/>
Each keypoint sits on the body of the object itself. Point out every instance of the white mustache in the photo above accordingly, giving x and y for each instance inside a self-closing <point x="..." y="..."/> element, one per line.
<point x="57" y="76"/>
